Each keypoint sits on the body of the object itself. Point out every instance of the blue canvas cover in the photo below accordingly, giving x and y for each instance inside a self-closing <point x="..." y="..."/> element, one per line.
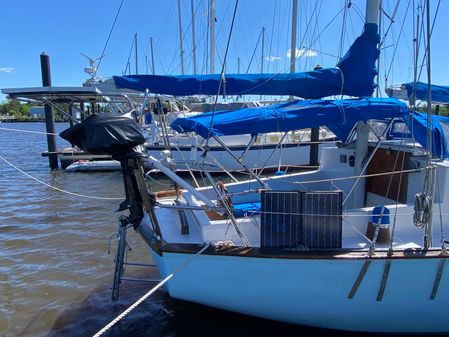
<point x="418" y="123"/>
<point x="339" y="116"/>
<point x="353" y="76"/>
<point x="439" y="93"/>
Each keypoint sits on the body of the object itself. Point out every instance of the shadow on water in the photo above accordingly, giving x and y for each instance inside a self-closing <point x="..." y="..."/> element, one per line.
<point x="162" y="316"/>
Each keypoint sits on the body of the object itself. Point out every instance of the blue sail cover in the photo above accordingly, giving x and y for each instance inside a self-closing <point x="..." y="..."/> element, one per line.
<point x="353" y="76"/>
<point x="418" y="123"/>
<point x="439" y="93"/>
<point x="339" y="116"/>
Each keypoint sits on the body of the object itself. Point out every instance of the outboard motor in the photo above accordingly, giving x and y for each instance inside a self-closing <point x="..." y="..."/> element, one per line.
<point x="118" y="136"/>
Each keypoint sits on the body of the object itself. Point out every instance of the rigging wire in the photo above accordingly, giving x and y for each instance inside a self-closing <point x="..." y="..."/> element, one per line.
<point x="392" y="20"/>
<point x="185" y="32"/>
<point x="29" y="131"/>
<point x="54" y="187"/>
<point x="272" y="34"/>
<point x="128" y="63"/>
<point x="254" y="53"/>
<point x="297" y="57"/>
<point x="343" y="27"/>
<point x="397" y="44"/>
<point x="431" y="31"/>
<point x="110" y="33"/>
<point x="222" y="73"/>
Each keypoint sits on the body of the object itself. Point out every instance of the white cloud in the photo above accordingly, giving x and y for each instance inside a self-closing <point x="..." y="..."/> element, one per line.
<point x="6" y="69"/>
<point x="272" y="58"/>
<point x="302" y="53"/>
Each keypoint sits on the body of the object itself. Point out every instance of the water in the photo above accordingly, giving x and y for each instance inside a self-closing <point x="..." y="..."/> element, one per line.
<point x="55" y="270"/>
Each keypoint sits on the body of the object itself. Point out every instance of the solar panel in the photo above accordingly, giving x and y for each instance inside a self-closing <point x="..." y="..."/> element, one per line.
<point x="301" y="220"/>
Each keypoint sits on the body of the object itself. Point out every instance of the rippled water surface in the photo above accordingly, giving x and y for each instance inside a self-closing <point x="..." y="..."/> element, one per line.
<point x="55" y="270"/>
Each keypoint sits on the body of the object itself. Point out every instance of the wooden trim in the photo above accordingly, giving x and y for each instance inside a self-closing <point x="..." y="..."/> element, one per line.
<point x="278" y="253"/>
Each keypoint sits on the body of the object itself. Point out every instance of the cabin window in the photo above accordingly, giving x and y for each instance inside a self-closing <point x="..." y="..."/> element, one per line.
<point x="400" y="130"/>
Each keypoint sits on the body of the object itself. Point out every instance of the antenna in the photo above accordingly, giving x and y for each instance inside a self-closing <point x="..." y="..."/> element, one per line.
<point x="92" y="69"/>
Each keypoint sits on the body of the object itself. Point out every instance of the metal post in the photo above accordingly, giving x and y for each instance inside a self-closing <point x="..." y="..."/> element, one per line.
<point x="49" y="115"/>
<point x="92" y="107"/>
<point x="71" y="114"/>
<point x="181" y="53"/>
<point x="238" y="65"/>
<point x="83" y="117"/>
<point x="314" y="138"/>
<point x="192" y="9"/>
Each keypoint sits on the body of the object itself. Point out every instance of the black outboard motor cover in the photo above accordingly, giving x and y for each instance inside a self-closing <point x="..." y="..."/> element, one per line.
<point x="105" y="134"/>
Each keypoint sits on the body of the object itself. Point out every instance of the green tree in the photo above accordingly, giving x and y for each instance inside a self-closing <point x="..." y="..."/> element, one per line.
<point x="15" y="108"/>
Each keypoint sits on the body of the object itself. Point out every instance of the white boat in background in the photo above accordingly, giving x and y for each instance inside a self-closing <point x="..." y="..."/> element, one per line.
<point x="95" y="165"/>
<point x="258" y="153"/>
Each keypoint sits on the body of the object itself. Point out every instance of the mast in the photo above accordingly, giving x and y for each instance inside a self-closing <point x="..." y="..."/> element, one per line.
<point x="263" y="47"/>
<point x="293" y="44"/>
<point x="146" y="64"/>
<point x="135" y="50"/>
<point x="429" y="187"/>
<point x="181" y="54"/>
<point x="152" y="56"/>
<point x="212" y="35"/>
<point x="361" y="144"/>
<point x="372" y="11"/>
<point x="378" y="59"/>
<point x="192" y="9"/>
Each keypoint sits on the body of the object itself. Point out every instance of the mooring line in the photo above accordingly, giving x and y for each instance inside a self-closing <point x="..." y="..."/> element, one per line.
<point x="149" y="293"/>
<point x="54" y="187"/>
<point x="29" y="131"/>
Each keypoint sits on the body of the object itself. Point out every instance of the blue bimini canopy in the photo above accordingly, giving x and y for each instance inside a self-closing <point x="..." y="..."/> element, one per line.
<point x="353" y="76"/>
<point x="339" y="116"/>
<point x="417" y="122"/>
<point x="439" y="93"/>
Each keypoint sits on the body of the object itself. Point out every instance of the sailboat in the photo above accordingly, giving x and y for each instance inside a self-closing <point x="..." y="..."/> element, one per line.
<point x="354" y="245"/>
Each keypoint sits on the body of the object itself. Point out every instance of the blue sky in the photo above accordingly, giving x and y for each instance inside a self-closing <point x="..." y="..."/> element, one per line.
<point x="64" y="29"/>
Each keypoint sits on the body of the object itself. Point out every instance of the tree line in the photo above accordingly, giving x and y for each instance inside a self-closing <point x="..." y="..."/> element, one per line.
<point x="21" y="111"/>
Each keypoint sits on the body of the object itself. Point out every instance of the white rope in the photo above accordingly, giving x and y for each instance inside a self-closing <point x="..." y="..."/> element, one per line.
<point x="29" y="131"/>
<point x="54" y="187"/>
<point x="149" y="293"/>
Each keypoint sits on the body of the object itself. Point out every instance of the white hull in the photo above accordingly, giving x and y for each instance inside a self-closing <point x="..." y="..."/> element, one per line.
<point x="312" y="287"/>
<point x="314" y="292"/>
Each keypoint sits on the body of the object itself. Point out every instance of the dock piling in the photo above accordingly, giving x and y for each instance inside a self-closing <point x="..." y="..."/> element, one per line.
<point x="49" y="115"/>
